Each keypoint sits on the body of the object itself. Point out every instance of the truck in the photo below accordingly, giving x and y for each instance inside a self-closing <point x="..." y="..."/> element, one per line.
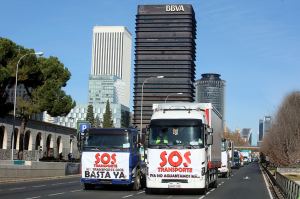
<point x="231" y="152"/>
<point x="225" y="169"/>
<point x="180" y="150"/>
<point x="236" y="159"/>
<point x="246" y="156"/>
<point x="110" y="156"/>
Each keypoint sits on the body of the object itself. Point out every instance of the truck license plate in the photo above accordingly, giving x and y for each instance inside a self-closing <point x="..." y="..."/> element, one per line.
<point x="172" y="186"/>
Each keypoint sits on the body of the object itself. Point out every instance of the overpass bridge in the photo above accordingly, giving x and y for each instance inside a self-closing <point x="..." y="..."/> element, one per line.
<point x="252" y="148"/>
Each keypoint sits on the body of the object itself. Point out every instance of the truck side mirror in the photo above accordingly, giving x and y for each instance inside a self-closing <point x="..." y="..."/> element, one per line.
<point x="209" y="130"/>
<point x="147" y="137"/>
<point x="209" y="140"/>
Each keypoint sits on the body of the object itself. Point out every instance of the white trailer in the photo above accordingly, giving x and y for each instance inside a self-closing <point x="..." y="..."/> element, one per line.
<point x="225" y="169"/>
<point x="179" y="147"/>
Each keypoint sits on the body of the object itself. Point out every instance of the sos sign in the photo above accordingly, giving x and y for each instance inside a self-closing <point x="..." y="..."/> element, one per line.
<point x="105" y="159"/>
<point x="175" y="159"/>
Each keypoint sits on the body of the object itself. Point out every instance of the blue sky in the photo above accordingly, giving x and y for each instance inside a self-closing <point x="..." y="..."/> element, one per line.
<point x="254" y="45"/>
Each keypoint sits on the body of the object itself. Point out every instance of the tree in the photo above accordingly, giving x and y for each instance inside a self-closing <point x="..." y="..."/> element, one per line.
<point x="90" y="115"/>
<point x="107" y="117"/>
<point x="282" y="143"/>
<point x="42" y="78"/>
<point x="97" y="122"/>
<point x="235" y="137"/>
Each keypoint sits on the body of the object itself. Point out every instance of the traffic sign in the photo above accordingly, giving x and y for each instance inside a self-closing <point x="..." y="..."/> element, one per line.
<point x="82" y="126"/>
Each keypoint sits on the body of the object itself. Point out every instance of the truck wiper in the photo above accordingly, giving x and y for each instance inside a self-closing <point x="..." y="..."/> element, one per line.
<point x="94" y="148"/>
<point x="163" y="144"/>
<point x="191" y="146"/>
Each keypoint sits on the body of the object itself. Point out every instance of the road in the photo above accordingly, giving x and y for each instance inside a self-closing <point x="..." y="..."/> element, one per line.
<point x="246" y="182"/>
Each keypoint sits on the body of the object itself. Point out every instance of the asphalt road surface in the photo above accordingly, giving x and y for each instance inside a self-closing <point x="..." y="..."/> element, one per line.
<point x="246" y="182"/>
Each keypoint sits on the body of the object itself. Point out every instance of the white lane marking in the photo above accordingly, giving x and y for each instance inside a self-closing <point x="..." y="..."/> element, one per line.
<point x="212" y="190"/>
<point x="140" y="192"/>
<point x="208" y="193"/>
<point x="127" y="196"/>
<point x="55" y="194"/>
<point x="37" y="186"/>
<point x="222" y="183"/>
<point x="17" y="188"/>
<point x="266" y="182"/>
<point x="72" y="182"/>
<point x="60" y="183"/>
<point x="76" y="190"/>
<point x="201" y="197"/>
<point x="33" y="197"/>
<point x="219" y="184"/>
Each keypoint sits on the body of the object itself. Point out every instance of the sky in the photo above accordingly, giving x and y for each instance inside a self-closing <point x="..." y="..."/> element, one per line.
<point x="253" y="44"/>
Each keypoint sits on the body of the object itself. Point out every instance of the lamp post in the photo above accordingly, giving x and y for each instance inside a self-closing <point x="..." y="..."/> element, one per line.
<point x="172" y="94"/>
<point x="15" y="100"/>
<point x="158" y="77"/>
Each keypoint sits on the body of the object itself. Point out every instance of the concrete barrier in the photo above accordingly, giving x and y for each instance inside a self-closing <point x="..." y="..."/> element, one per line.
<point x="10" y="171"/>
<point x="288" y="170"/>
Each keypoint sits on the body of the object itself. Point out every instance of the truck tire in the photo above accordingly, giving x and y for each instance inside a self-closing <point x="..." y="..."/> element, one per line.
<point x="227" y="174"/>
<point x="87" y="186"/>
<point x="214" y="184"/>
<point x="205" y="189"/>
<point x="137" y="180"/>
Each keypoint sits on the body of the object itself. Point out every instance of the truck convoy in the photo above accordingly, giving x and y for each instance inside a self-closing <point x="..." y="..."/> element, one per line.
<point x="181" y="152"/>
<point x="110" y="156"/>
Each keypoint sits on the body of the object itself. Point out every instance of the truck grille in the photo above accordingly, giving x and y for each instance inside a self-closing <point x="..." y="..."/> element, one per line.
<point x="174" y="180"/>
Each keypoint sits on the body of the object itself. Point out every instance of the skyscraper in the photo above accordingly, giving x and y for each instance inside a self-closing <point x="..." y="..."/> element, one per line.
<point x="109" y="79"/>
<point x="165" y="46"/>
<point x="267" y="124"/>
<point x="111" y="55"/>
<point x="260" y="130"/>
<point x="246" y="135"/>
<point x="211" y="89"/>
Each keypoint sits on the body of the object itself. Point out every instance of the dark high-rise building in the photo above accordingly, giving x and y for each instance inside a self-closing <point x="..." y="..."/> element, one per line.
<point x="260" y="130"/>
<point x="211" y="89"/>
<point x="164" y="46"/>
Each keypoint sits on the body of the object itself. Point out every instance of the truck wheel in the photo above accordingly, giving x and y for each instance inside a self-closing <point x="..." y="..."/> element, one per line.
<point x="227" y="174"/>
<point x="214" y="184"/>
<point x="87" y="186"/>
<point x="137" y="181"/>
<point x="204" y="190"/>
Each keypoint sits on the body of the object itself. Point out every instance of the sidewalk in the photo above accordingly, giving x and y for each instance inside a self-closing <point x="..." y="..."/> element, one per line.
<point x="15" y="180"/>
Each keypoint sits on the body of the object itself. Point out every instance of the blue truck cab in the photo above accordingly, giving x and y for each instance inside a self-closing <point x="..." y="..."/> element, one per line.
<point x="110" y="156"/>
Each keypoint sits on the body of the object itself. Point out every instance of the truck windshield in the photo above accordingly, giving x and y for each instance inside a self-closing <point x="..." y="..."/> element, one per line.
<point x="223" y="146"/>
<point x="118" y="140"/>
<point x="171" y="133"/>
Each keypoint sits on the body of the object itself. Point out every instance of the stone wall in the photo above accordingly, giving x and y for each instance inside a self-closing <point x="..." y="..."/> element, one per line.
<point x="10" y="171"/>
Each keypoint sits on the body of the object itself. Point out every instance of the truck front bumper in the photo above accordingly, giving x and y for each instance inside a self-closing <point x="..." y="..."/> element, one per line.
<point x="103" y="182"/>
<point x="198" y="183"/>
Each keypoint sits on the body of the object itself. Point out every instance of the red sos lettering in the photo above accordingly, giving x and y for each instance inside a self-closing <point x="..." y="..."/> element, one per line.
<point x="105" y="158"/>
<point x="165" y="158"/>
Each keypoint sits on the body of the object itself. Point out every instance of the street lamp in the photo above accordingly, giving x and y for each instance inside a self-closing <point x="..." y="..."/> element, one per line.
<point x="15" y="100"/>
<point x="158" y="77"/>
<point x="172" y="94"/>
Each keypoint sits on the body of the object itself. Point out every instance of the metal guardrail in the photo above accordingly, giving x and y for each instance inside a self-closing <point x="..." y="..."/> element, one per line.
<point x="290" y="188"/>
<point x="282" y="186"/>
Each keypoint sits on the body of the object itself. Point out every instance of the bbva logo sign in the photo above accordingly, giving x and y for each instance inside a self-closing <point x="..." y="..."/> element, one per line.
<point x="174" y="8"/>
